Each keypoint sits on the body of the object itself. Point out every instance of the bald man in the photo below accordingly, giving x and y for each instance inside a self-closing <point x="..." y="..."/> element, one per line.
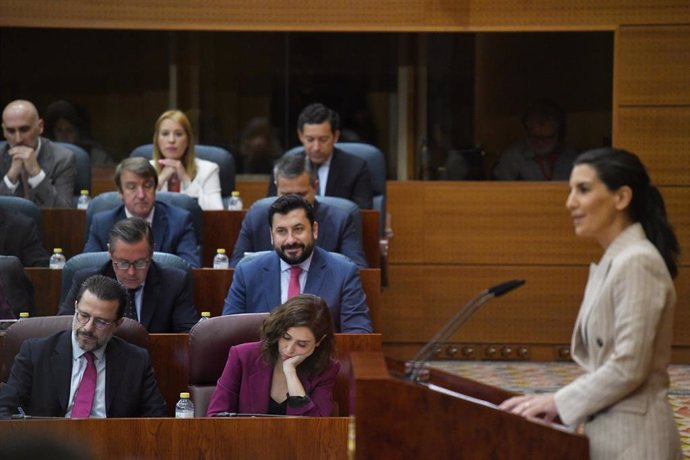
<point x="32" y="166"/>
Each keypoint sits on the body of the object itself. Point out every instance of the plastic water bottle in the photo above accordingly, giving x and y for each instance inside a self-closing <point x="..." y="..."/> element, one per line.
<point x="84" y="200"/>
<point x="57" y="260"/>
<point x="220" y="260"/>
<point x="184" y="407"/>
<point x="235" y="203"/>
<point x="205" y="315"/>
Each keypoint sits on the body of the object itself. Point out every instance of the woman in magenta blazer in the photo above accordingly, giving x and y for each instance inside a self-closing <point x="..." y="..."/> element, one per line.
<point x="291" y="371"/>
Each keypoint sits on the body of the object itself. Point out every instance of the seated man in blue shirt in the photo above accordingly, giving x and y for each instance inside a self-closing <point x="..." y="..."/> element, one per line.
<point x="86" y="371"/>
<point x="340" y="231"/>
<point x="297" y="266"/>
<point x="173" y="231"/>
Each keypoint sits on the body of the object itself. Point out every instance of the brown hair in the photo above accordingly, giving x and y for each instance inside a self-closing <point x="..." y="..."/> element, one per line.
<point x="302" y="310"/>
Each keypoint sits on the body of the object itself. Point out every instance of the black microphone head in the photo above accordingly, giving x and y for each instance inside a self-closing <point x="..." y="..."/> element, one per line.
<point x="502" y="288"/>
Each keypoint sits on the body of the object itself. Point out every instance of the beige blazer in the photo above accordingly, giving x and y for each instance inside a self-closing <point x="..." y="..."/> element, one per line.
<point x="622" y="339"/>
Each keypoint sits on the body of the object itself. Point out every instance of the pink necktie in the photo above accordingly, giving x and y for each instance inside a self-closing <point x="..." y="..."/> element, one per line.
<point x="293" y="287"/>
<point x="86" y="391"/>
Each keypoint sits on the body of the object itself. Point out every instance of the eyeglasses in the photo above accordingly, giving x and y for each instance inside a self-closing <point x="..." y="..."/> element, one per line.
<point x="125" y="264"/>
<point x="83" y="318"/>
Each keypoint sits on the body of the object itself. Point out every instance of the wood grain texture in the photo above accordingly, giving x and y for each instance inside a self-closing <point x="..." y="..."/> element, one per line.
<point x="149" y="438"/>
<point x="653" y="65"/>
<point x="342" y="15"/>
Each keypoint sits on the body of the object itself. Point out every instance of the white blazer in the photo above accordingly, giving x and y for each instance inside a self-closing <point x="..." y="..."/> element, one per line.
<point x="622" y="339"/>
<point x="205" y="187"/>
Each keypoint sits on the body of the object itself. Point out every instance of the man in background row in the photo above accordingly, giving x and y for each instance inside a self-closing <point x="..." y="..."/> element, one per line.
<point x="340" y="231"/>
<point x="136" y="180"/>
<point x="340" y="174"/>
<point x="32" y="166"/>
<point x="159" y="297"/>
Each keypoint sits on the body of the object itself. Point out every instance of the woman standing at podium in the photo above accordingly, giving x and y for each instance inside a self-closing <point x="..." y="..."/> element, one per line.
<point x="291" y="371"/>
<point x="623" y="332"/>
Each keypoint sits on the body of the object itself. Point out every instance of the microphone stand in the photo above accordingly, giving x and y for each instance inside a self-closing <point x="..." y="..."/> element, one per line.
<point x="415" y="368"/>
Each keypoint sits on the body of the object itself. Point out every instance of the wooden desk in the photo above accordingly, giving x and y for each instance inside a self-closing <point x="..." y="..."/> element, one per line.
<point x="209" y="438"/>
<point x="400" y="419"/>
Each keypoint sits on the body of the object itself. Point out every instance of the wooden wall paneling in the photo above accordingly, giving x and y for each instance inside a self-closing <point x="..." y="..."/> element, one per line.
<point x="170" y="360"/>
<point x="341" y="15"/>
<point x="251" y="190"/>
<point x="221" y="229"/>
<point x="661" y="137"/>
<point x="654" y="65"/>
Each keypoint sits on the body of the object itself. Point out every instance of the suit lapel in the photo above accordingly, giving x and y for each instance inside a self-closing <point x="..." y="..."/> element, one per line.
<point x="270" y="282"/>
<point x="151" y="290"/>
<point x="333" y="172"/>
<point x="159" y="227"/>
<point x="260" y="386"/>
<point x="316" y="274"/>
<point x="113" y="372"/>
<point x="61" y="368"/>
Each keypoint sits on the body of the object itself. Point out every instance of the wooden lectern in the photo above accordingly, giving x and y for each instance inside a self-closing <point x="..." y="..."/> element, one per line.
<point x="398" y="419"/>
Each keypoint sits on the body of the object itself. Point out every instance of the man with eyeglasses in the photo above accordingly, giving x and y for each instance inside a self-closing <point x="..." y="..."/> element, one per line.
<point x="159" y="297"/>
<point x="137" y="180"/>
<point x="85" y="372"/>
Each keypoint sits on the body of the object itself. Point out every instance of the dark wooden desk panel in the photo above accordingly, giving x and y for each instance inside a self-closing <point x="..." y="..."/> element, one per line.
<point x="64" y="228"/>
<point x="47" y="284"/>
<point x="211" y="287"/>
<point x="208" y="438"/>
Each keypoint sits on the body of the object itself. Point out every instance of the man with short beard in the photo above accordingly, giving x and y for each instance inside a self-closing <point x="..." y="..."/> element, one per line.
<point x="297" y="266"/>
<point x="49" y="375"/>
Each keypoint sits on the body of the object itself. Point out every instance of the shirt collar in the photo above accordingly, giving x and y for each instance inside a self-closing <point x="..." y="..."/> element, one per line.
<point x="284" y="266"/>
<point x="77" y="351"/>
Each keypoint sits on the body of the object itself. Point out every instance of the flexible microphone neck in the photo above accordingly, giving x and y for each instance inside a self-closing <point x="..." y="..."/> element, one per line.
<point x="417" y="365"/>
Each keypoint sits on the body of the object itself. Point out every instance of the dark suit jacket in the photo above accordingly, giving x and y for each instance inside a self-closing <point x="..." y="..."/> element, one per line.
<point x="167" y="302"/>
<point x="40" y="380"/>
<point x="19" y="237"/>
<point x="256" y="288"/>
<point x="173" y="231"/>
<point x="245" y="385"/>
<point x="337" y="233"/>
<point x="348" y="177"/>
<point x="60" y="166"/>
<point x="16" y="290"/>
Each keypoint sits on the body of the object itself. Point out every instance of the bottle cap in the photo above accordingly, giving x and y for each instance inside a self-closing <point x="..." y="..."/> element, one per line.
<point x="24" y="314"/>
<point x="235" y="193"/>
<point x="184" y="395"/>
<point x="220" y="251"/>
<point x="84" y="192"/>
<point x="205" y="314"/>
<point x="57" y="250"/>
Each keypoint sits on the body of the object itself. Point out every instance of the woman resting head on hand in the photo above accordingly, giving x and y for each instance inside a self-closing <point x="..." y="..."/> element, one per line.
<point x="291" y="371"/>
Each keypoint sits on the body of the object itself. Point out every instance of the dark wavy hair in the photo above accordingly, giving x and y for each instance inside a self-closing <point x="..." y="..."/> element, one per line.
<point x="617" y="168"/>
<point x="305" y="310"/>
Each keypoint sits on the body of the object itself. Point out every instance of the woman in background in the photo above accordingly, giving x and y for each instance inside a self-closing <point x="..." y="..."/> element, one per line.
<point x="291" y="371"/>
<point x="179" y="170"/>
<point x="623" y="332"/>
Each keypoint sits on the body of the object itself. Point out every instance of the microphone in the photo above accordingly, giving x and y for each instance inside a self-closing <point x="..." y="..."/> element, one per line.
<point x="414" y="368"/>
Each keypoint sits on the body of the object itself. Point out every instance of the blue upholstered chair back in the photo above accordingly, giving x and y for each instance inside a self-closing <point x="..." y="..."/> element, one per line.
<point x="96" y="259"/>
<point x="83" y="179"/>
<point x="110" y="200"/>
<point x="218" y="155"/>
<point x="376" y="163"/>
<point x="26" y="207"/>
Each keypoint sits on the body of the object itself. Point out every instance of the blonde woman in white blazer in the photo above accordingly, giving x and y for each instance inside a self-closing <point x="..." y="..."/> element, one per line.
<point x="623" y="332"/>
<point x="179" y="170"/>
